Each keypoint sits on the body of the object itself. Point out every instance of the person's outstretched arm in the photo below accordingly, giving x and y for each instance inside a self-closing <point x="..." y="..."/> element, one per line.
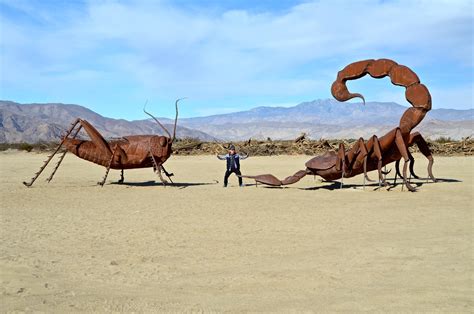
<point x="244" y="156"/>
<point x="221" y="157"/>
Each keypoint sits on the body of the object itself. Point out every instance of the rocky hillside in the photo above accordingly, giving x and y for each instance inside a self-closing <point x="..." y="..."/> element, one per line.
<point x="329" y="119"/>
<point x="47" y="122"/>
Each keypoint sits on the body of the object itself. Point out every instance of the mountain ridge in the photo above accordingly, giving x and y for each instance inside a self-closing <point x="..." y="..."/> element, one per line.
<point x="47" y="122"/>
<point x="323" y="118"/>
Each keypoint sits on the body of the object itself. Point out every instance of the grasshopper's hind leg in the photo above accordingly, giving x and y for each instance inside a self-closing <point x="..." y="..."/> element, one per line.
<point x="46" y="162"/>
<point x="60" y="160"/>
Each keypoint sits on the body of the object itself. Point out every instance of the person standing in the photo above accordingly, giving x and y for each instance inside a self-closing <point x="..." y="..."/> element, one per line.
<point x="233" y="164"/>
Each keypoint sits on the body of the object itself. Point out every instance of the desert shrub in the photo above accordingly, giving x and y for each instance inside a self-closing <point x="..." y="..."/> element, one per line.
<point x="25" y="146"/>
<point x="39" y="146"/>
<point x="444" y="139"/>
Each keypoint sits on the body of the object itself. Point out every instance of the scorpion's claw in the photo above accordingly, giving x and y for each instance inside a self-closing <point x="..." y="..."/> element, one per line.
<point x="267" y="179"/>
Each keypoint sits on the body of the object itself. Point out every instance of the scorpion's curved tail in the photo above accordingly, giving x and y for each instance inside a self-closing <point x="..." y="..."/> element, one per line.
<point x="416" y="93"/>
<point x="270" y="179"/>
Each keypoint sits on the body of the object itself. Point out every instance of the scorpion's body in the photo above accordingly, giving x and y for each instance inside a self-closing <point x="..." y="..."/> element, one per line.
<point x="373" y="154"/>
<point x="325" y="165"/>
<point x="389" y="155"/>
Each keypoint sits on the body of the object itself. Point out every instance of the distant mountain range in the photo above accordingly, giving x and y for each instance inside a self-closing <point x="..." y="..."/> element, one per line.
<point x="329" y="119"/>
<point x="47" y="122"/>
<point x="319" y="119"/>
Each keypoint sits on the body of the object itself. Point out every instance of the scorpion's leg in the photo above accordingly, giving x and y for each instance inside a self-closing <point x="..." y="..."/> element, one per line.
<point x="397" y="168"/>
<point x="402" y="148"/>
<point x="417" y="139"/>
<point x="108" y="166"/>
<point x="62" y="156"/>
<point x="397" y="171"/>
<point x="378" y="154"/>
<point x="73" y="125"/>
<point x="341" y="162"/>
<point x="363" y="153"/>
<point x="412" y="164"/>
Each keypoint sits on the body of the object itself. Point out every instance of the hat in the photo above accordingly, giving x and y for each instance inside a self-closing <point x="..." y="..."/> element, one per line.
<point x="231" y="147"/>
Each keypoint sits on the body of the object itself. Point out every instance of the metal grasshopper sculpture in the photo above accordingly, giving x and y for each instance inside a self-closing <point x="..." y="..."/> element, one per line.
<point x="128" y="152"/>
<point x="376" y="152"/>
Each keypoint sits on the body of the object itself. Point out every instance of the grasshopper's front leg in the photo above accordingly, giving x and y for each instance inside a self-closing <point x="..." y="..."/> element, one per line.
<point x="157" y="168"/>
<point x="121" y="177"/>
<point x="169" y="175"/>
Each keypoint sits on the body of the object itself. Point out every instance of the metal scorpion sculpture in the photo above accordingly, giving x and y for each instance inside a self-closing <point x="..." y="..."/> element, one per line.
<point x="128" y="152"/>
<point x="376" y="152"/>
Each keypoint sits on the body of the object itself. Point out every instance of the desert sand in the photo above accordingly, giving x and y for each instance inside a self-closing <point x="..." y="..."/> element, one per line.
<point x="71" y="245"/>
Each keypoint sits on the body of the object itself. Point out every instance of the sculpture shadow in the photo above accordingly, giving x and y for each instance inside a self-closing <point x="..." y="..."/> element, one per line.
<point x="180" y="185"/>
<point x="336" y="185"/>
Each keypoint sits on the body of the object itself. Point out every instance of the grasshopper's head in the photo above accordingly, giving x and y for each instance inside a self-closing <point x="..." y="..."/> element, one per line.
<point x="160" y="147"/>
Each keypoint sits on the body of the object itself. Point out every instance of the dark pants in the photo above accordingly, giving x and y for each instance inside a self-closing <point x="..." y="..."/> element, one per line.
<point x="229" y="172"/>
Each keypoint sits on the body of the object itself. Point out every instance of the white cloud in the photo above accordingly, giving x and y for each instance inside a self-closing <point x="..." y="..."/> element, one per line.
<point x="169" y="49"/>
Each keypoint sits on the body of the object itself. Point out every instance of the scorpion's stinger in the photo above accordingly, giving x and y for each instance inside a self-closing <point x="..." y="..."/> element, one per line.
<point x="357" y="95"/>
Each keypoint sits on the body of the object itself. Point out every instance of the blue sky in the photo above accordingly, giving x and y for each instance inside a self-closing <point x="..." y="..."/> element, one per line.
<point x="226" y="55"/>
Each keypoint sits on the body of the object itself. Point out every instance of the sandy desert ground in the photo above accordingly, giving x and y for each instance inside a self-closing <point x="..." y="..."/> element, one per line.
<point x="71" y="245"/>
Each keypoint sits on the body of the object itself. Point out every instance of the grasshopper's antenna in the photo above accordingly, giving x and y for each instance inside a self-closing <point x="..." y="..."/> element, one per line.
<point x="176" y="118"/>
<point x="156" y="120"/>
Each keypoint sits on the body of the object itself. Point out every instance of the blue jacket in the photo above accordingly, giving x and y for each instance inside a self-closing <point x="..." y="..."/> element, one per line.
<point x="233" y="161"/>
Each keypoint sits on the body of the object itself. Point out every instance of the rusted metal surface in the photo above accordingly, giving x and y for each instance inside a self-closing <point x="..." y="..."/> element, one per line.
<point x="365" y="156"/>
<point x="129" y="152"/>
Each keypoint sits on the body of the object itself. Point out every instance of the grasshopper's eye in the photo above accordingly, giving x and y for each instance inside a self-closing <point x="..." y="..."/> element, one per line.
<point x="163" y="142"/>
